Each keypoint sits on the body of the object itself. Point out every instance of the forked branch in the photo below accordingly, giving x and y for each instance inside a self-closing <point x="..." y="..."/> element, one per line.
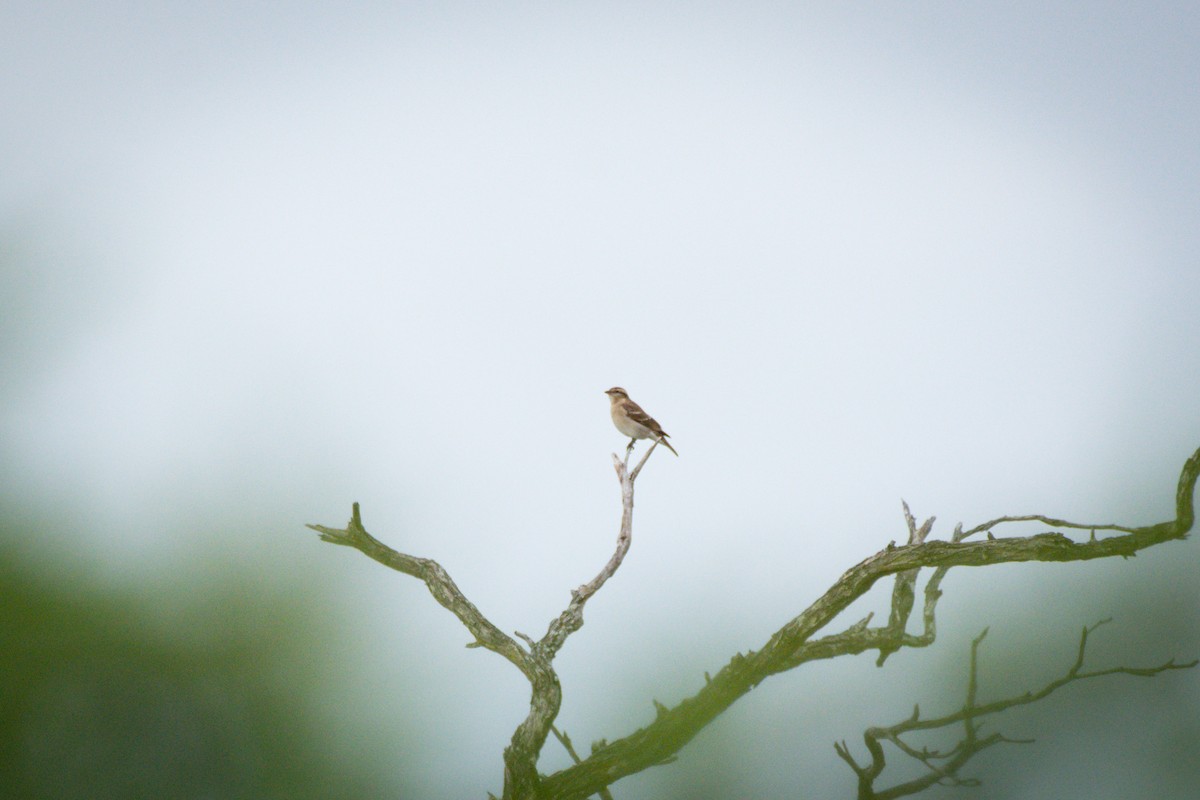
<point x="944" y="766"/>
<point x="521" y="778"/>
<point x="793" y="644"/>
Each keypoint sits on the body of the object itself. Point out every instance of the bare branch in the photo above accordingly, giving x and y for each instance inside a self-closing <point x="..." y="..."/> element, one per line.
<point x="1051" y="521"/>
<point x="916" y="535"/>
<point x="439" y="583"/>
<point x="970" y="744"/>
<point x="571" y="619"/>
<point x="791" y="644"/>
<point x="637" y="470"/>
<point x="521" y="778"/>
<point x="565" y="741"/>
<point x="547" y="697"/>
<point x="520" y="771"/>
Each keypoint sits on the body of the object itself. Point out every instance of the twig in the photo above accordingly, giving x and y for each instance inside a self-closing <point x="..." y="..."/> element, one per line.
<point x="1051" y="521"/>
<point x="565" y="741"/>
<point x="970" y="744"/>
<point x="636" y="470"/>
<point x="571" y="619"/>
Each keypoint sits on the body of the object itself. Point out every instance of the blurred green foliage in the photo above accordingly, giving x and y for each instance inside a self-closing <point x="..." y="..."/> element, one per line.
<point x="109" y="694"/>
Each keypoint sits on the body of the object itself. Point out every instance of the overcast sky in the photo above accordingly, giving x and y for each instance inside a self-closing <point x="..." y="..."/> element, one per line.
<point x="260" y="262"/>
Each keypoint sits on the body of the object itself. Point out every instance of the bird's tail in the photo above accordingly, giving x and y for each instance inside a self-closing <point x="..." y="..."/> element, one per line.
<point x="665" y="443"/>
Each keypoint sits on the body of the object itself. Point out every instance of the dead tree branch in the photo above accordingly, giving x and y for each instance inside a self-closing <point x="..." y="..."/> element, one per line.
<point x="792" y="645"/>
<point x="944" y="765"/>
<point x="521" y="778"/>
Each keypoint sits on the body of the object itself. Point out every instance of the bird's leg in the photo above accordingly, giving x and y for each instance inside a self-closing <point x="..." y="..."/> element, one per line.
<point x="629" y="449"/>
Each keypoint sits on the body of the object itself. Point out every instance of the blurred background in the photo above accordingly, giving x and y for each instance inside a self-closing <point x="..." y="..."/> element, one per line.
<point x="259" y="262"/>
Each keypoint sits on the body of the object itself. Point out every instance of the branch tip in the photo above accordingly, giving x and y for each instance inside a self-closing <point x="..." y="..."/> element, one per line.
<point x="908" y="518"/>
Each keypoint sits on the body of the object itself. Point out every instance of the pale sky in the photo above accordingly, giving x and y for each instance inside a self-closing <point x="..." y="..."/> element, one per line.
<point x="259" y="263"/>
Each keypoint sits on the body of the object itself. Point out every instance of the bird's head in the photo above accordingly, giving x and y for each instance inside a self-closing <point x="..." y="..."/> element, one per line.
<point x="616" y="393"/>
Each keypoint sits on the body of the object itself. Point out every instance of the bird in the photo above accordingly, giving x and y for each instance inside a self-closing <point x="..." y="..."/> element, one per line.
<point x="632" y="421"/>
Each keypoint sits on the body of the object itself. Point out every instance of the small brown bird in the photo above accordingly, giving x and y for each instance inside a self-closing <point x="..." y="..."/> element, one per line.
<point x="633" y="422"/>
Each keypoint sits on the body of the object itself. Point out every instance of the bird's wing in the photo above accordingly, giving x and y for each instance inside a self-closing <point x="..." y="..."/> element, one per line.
<point x="642" y="418"/>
